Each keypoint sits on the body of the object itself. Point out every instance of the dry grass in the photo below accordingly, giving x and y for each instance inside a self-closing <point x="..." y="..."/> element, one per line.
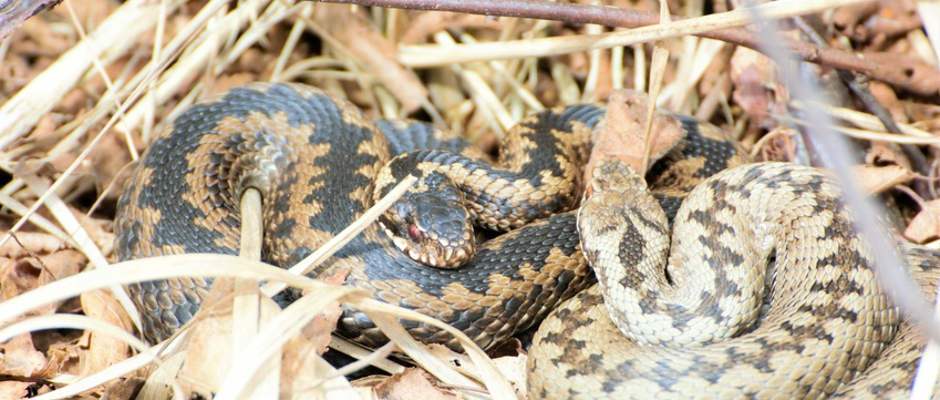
<point x="477" y="82"/>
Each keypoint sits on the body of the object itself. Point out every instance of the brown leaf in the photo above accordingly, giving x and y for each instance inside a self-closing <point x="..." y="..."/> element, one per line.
<point x="209" y="350"/>
<point x="103" y="350"/>
<point x="889" y="99"/>
<point x="878" y="179"/>
<point x="98" y="229"/>
<point x="226" y="82"/>
<point x="321" y="327"/>
<point x="123" y="389"/>
<point x="301" y="365"/>
<point x="14" y="389"/>
<point x="621" y="134"/>
<point x="27" y="273"/>
<point x="427" y="23"/>
<point x="926" y="224"/>
<point x="301" y="359"/>
<point x="25" y="243"/>
<point x="18" y="357"/>
<point x="778" y="145"/>
<point x="513" y="368"/>
<point x="412" y="384"/>
<point x="756" y="88"/>
<point x="881" y="154"/>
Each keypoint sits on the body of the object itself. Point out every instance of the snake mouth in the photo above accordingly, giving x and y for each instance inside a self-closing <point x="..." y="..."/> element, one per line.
<point x="428" y="249"/>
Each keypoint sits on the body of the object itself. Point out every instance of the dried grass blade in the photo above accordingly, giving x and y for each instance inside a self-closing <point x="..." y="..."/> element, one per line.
<point x="115" y="36"/>
<point x="429" y="55"/>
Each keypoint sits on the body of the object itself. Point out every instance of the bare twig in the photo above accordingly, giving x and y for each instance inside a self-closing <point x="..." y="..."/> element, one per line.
<point x="835" y="153"/>
<point x="859" y="87"/>
<point x="20" y="11"/>
<point x="916" y="77"/>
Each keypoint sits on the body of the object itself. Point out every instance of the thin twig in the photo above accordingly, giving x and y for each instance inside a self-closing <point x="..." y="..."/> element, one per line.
<point x="836" y="154"/>
<point x="920" y="78"/>
<point x="859" y="87"/>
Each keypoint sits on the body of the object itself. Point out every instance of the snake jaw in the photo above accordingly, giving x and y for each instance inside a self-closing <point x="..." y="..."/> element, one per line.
<point x="426" y="247"/>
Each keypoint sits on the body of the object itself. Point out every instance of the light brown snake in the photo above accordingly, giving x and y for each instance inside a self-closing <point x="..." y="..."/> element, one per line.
<point x="760" y="290"/>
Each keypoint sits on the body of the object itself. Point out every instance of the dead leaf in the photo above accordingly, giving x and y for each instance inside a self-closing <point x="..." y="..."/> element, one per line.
<point x="621" y="134"/>
<point x="103" y="350"/>
<point x="14" y="389"/>
<point x="25" y="243"/>
<point x="513" y="368"/>
<point x="925" y="226"/>
<point x="98" y="229"/>
<point x="756" y="88"/>
<point x="427" y="23"/>
<point x="226" y="82"/>
<point x="778" y="145"/>
<point x="302" y="367"/>
<point x="880" y="154"/>
<point x="27" y="273"/>
<point x="413" y="384"/>
<point x="123" y="389"/>
<point x="18" y="357"/>
<point x="879" y="179"/>
<point x="320" y="329"/>
<point x="889" y="100"/>
<point x="210" y="347"/>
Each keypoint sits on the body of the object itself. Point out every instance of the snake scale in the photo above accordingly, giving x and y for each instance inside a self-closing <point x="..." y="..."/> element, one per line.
<point x="751" y="235"/>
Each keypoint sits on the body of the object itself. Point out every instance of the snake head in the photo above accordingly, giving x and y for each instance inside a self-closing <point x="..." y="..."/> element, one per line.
<point x="430" y="224"/>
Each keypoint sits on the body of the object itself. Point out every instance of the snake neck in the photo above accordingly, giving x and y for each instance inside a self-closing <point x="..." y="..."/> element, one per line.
<point x="537" y="174"/>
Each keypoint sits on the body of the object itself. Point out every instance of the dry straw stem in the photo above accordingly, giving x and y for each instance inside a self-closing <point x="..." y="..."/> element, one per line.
<point x="70" y="321"/>
<point x="81" y="237"/>
<point x="247" y="313"/>
<point x="929" y="365"/>
<point x="354" y="350"/>
<point x="205" y="48"/>
<point x="930" y="15"/>
<point x="836" y="154"/>
<point x="658" y="70"/>
<point x="115" y="36"/>
<point x="864" y="120"/>
<point x="36" y="219"/>
<point x="481" y="92"/>
<point x="325" y="251"/>
<point x="518" y="88"/>
<point x="217" y="266"/>
<point x="918" y="77"/>
<point x="427" y="55"/>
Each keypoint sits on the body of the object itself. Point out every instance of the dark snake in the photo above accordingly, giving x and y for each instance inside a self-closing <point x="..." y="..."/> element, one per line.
<point x="696" y="328"/>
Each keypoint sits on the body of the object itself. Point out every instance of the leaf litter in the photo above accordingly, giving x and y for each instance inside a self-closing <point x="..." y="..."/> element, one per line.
<point x="85" y="132"/>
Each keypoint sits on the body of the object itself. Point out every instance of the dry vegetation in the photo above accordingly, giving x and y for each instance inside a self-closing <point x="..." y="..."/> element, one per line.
<point x="86" y="85"/>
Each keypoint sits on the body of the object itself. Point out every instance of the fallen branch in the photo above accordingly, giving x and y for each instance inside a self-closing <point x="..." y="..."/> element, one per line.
<point x="914" y="76"/>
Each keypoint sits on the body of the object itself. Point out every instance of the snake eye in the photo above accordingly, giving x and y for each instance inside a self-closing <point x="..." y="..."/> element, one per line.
<point x="414" y="232"/>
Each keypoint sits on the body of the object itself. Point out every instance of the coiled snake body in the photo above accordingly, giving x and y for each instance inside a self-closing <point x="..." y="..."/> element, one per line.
<point x="317" y="163"/>
<point x="315" y="160"/>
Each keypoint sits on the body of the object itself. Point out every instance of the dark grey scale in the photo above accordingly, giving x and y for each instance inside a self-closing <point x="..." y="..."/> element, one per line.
<point x="528" y="245"/>
<point x="407" y="136"/>
<point x="716" y="154"/>
<point x="166" y="158"/>
<point x="371" y="255"/>
<point x="542" y="129"/>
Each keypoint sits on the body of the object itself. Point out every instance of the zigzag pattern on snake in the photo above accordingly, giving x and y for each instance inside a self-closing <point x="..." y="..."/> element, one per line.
<point x="316" y="161"/>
